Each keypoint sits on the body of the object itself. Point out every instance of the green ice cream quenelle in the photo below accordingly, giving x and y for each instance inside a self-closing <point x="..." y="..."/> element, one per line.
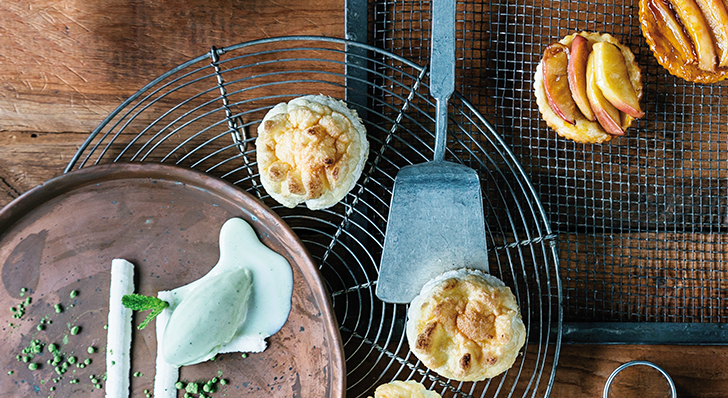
<point x="207" y="318"/>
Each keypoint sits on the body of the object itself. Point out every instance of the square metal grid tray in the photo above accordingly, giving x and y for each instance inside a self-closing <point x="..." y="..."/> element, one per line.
<point x="642" y="220"/>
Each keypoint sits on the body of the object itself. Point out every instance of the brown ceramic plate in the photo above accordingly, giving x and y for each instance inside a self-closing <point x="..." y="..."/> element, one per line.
<point x="62" y="235"/>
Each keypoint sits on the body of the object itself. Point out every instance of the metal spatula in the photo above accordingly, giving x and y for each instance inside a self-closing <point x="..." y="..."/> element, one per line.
<point x="436" y="216"/>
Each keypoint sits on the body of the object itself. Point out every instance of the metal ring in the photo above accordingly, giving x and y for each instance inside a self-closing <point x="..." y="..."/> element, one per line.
<point x="608" y="384"/>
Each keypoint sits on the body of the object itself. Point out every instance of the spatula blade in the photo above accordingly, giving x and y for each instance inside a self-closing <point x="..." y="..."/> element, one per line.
<point x="435" y="224"/>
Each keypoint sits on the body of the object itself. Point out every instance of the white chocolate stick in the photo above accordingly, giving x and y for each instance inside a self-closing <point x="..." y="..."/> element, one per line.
<point x="166" y="375"/>
<point x="118" y="340"/>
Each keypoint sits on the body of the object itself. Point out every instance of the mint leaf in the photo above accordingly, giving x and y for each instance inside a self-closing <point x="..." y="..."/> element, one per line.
<point x="139" y="302"/>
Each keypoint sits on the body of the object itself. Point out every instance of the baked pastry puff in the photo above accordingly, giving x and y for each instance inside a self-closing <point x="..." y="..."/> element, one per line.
<point x="404" y="389"/>
<point x="311" y="150"/>
<point x="465" y="325"/>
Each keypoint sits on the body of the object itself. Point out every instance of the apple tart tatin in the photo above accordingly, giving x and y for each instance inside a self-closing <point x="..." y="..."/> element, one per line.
<point x="689" y="38"/>
<point x="588" y="87"/>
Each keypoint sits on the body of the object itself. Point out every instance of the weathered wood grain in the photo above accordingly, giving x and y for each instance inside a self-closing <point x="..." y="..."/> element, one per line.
<point x="65" y="65"/>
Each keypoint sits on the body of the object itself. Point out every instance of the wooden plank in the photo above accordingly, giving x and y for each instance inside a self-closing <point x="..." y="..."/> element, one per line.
<point x="67" y="65"/>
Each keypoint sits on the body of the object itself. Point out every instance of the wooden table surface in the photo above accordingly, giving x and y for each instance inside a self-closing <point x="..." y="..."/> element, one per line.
<point x="64" y="65"/>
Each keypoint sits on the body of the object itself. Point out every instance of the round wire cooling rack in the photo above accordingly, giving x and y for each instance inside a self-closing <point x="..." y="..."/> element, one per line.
<point x="203" y="114"/>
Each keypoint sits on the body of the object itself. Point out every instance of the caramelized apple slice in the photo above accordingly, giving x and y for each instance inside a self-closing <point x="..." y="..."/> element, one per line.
<point x="555" y="65"/>
<point x="607" y="115"/>
<point x="578" y="55"/>
<point x="612" y="79"/>
<point x="672" y="30"/>
<point x="717" y="17"/>
<point x="694" y="22"/>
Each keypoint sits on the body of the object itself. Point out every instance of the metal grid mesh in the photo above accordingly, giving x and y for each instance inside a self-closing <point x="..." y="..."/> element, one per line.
<point x="203" y="115"/>
<point x="642" y="220"/>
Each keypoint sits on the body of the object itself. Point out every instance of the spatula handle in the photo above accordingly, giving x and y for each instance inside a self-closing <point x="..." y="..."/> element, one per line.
<point x="442" y="67"/>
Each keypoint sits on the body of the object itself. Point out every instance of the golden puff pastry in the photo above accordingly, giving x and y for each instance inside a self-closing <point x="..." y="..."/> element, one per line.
<point x="585" y="130"/>
<point x="404" y="389"/>
<point x="311" y="150"/>
<point x="466" y="325"/>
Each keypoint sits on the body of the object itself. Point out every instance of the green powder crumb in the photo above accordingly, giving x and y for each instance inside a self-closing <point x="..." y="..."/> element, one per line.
<point x="179" y="385"/>
<point x="244" y="355"/>
<point x="75" y="330"/>
<point x="87" y="361"/>
<point x="223" y="381"/>
<point x="65" y="339"/>
<point x="58" y="308"/>
<point x="10" y="372"/>
<point x="98" y="386"/>
<point x="106" y="327"/>
<point x="53" y="388"/>
<point x="138" y="374"/>
<point x="192" y="388"/>
<point x="74" y="293"/>
<point x="39" y="327"/>
<point x="33" y="366"/>
<point x="90" y="350"/>
<point x="74" y="381"/>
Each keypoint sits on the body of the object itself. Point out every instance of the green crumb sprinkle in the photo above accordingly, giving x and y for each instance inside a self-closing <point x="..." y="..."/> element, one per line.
<point x="244" y="355"/>
<point x="187" y="395"/>
<point x="74" y="381"/>
<point x="39" y="327"/>
<point x="74" y="293"/>
<point x="75" y="330"/>
<point x="53" y="388"/>
<point x="223" y="381"/>
<point x="97" y="386"/>
<point x="87" y="361"/>
<point x="106" y="327"/>
<point x="192" y="388"/>
<point x="28" y="300"/>
<point x="138" y="374"/>
<point x="65" y="339"/>
<point x="58" y="308"/>
<point x="52" y="348"/>
<point x="25" y="358"/>
<point x="23" y="289"/>
<point x="150" y="395"/>
<point x="71" y="360"/>
<point x="33" y="366"/>
<point x="10" y="372"/>
<point x="90" y="350"/>
<point x="179" y="385"/>
<point x="213" y="380"/>
<point x="146" y="391"/>
<point x="81" y="365"/>
<point x="13" y="309"/>
<point x="113" y="363"/>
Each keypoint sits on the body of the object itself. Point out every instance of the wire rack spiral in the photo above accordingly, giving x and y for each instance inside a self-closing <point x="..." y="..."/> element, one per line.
<point x="203" y="114"/>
